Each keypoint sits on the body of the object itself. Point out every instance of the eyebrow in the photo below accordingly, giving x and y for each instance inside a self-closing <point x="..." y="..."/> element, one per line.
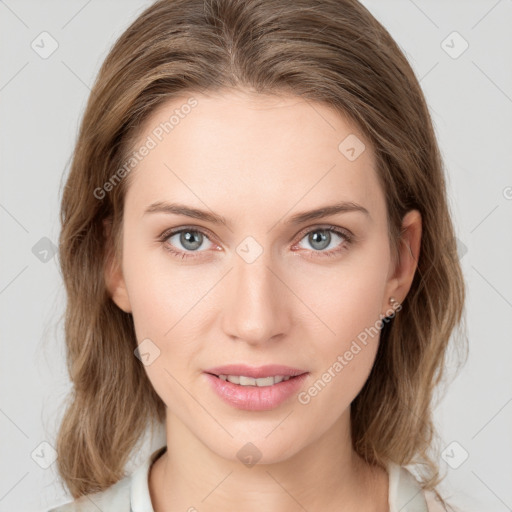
<point x="299" y="218"/>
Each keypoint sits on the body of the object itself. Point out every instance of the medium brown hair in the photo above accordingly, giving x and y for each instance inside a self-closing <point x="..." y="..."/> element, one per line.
<point x="329" y="51"/>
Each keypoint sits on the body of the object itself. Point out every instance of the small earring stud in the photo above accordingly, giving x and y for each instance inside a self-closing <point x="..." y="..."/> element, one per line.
<point x="393" y="301"/>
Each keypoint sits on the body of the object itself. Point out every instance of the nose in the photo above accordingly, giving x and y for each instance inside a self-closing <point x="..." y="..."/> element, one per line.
<point x="257" y="305"/>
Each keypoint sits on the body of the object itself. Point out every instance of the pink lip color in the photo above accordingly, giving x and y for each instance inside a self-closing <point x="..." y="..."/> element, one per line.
<point x="255" y="398"/>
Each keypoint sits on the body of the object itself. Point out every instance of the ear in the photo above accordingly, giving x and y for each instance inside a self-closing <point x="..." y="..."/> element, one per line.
<point x="402" y="275"/>
<point x="113" y="274"/>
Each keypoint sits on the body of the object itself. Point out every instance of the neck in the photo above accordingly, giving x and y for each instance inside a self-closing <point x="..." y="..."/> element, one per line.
<point x="325" y="475"/>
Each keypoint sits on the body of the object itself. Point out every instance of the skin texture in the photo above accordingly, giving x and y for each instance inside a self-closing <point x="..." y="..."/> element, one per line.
<point x="257" y="160"/>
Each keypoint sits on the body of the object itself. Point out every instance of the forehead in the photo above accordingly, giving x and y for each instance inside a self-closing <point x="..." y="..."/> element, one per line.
<point x="235" y="150"/>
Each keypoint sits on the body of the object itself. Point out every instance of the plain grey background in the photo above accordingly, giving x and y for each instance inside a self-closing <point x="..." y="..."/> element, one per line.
<point x="462" y="53"/>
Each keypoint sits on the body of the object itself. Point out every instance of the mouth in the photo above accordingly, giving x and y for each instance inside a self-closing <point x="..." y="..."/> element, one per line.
<point x="250" y="393"/>
<point x="243" y="380"/>
<point x="246" y="375"/>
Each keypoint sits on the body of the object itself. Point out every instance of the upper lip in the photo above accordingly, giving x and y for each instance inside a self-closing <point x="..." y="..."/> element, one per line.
<point x="269" y="370"/>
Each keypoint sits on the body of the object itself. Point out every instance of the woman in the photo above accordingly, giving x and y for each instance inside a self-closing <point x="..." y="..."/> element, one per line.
<point x="259" y="254"/>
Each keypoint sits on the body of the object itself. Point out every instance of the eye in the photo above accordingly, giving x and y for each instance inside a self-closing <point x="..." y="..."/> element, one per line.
<point x="320" y="238"/>
<point x="190" y="239"/>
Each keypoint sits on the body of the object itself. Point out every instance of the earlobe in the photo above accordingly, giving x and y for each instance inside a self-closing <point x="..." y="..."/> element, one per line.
<point x="113" y="275"/>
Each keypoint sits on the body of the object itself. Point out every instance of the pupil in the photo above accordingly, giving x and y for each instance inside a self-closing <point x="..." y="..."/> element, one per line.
<point x="191" y="237"/>
<point x="325" y="236"/>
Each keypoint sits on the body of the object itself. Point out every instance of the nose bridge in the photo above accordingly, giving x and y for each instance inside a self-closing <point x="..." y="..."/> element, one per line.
<point x="255" y="311"/>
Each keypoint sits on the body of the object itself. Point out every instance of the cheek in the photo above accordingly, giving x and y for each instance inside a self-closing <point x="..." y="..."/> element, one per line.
<point x="163" y="315"/>
<point x="346" y="298"/>
<point x="159" y="294"/>
<point x="344" y="358"/>
<point x="162" y="301"/>
<point x="348" y="301"/>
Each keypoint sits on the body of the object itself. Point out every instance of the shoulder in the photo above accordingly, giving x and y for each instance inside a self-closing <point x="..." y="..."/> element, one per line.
<point x="130" y="493"/>
<point x="434" y="505"/>
<point x="114" y="499"/>
<point x="406" y="493"/>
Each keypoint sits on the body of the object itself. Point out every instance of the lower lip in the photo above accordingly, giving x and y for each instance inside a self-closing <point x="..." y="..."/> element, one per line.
<point x="255" y="398"/>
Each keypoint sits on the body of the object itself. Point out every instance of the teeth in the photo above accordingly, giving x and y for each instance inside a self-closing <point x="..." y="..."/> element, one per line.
<point x="246" y="381"/>
<point x="250" y="381"/>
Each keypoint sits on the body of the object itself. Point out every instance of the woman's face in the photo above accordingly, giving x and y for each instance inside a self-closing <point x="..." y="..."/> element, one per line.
<point x="270" y="285"/>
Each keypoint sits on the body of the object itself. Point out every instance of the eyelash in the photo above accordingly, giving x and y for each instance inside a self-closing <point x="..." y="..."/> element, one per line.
<point x="347" y="236"/>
